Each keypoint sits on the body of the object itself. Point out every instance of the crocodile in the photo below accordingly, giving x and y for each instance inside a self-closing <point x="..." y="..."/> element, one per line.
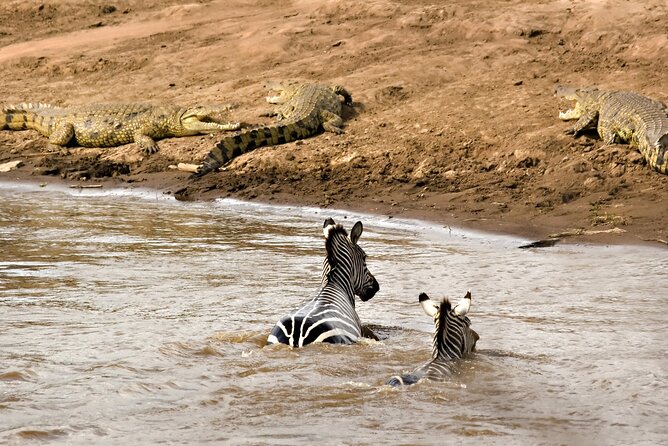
<point x="621" y="116"/>
<point x="109" y="125"/>
<point x="304" y="109"/>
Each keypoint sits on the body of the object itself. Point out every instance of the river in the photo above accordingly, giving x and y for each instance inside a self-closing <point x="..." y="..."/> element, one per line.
<point x="127" y="317"/>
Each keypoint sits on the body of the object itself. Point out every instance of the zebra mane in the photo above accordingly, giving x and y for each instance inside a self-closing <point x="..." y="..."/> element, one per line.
<point x="331" y="232"/>
<point x="441" y="326"/>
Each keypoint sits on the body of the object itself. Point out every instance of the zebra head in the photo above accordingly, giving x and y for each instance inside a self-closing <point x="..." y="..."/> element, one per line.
<point x="453" y="337"/>
<point x="345" y="255"/>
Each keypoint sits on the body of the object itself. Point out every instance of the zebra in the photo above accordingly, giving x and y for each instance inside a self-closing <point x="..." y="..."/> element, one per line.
<point x="453" y="339"/>
<point x="330" y="316"/>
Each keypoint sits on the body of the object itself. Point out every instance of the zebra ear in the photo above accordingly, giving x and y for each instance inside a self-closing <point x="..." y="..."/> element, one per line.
<point x="428" y="305"/>
<point x="463" y="305"/>
<point x="329" y="223"/>
<point x="355" y="232"/>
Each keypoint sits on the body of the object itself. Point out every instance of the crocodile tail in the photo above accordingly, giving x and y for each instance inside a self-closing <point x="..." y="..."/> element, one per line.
<point x="247" y="140"/>
<point x="17" y="119"/>
<point x="14" y="120"/>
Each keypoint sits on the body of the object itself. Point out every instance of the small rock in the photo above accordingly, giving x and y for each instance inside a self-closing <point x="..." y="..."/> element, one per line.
<point x="592" y="182"/>
<point x="581" y="166"/>
<point x="450" y="174"/>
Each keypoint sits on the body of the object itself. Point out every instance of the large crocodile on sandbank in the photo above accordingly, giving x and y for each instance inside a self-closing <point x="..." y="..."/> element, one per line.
<point x="621" y="116"/>
<point x="304" y="110"/>
<point x="109" y="125"/>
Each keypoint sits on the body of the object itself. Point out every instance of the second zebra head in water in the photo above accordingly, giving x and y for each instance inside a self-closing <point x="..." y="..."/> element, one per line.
<point x="454" y="339"/>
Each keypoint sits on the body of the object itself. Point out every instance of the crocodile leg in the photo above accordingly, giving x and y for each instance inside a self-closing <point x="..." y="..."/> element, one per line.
<point x="607" y="135"/>
<point x="146" y="143"/>
<point x="331" y="122"/>
<point x="62" y="134"/>
<point x="347" y="97"/>
<point x="589" y="119"/>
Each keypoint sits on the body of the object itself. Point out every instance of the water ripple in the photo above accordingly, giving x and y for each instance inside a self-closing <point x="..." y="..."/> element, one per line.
<point x="143" y="320"/>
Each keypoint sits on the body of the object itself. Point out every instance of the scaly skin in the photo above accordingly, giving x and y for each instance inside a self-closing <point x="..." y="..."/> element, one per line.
<point x="112" y="125"/>
<point x="621" y="116"/>
<point x="305" y="109"/>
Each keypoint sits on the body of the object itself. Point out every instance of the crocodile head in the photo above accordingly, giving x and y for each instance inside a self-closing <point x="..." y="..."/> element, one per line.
<point x="201" y="119"/>
<point x="585" y="99"/>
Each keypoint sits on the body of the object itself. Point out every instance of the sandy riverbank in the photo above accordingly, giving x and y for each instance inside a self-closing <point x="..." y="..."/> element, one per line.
<point x="454" y="117"/>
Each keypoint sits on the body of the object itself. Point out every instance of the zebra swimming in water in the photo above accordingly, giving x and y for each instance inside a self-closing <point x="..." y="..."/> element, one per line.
<point x="453" y="339"/>
<point x="330" y="315"/>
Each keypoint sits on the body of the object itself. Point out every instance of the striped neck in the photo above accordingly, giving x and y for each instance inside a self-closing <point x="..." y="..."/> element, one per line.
<point x="340" y="278"/>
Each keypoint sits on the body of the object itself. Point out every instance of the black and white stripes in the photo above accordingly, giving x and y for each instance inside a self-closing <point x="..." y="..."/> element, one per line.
<point x="453" y="340"/>
<point x="330" y="315"/>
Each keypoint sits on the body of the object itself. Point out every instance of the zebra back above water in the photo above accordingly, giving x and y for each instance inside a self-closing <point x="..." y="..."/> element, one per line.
<point x="330" y="316"/>
<point x="453" y="340"/>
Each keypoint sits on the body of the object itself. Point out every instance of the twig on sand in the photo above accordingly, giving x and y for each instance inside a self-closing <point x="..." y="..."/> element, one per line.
<point x="185" y="167"/>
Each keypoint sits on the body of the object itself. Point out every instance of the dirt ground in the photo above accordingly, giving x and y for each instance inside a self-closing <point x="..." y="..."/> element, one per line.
<point x="454" y="118"/>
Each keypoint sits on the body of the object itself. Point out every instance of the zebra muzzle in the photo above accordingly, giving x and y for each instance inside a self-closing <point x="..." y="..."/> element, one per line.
<point x="370" y="291"/>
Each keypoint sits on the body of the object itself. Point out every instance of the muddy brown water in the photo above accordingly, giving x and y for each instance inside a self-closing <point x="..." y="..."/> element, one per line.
<point x="129" y="318"/>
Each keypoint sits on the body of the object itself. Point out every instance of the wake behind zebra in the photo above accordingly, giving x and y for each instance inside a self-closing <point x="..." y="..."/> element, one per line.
<point x="330" y="316"/>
